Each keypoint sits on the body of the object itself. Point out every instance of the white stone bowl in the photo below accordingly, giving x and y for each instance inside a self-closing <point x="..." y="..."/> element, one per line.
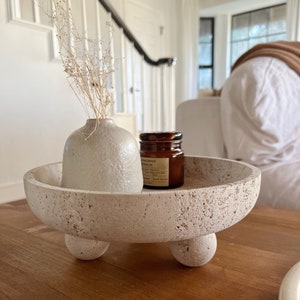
<point x="217" y="193"/>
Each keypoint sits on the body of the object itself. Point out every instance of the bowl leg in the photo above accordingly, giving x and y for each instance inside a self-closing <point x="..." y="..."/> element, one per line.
<point x="195" y="252"/>
<point x="85" y="249"/>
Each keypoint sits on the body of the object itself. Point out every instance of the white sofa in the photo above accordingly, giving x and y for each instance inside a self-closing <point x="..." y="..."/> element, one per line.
<point x="256" y="120"/>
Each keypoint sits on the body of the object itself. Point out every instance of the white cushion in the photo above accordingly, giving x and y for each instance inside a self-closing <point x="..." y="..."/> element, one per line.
<point x="199" y="121"/>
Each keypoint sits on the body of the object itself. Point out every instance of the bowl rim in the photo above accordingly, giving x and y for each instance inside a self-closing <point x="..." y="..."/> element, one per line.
<point x="30" y="177"/>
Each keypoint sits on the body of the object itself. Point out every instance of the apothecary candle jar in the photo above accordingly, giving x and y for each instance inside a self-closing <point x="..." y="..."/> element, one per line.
<point x="162" y="159"/>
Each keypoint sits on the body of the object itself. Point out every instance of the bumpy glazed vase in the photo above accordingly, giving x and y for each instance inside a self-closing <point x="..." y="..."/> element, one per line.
<point x="100" y="156"/>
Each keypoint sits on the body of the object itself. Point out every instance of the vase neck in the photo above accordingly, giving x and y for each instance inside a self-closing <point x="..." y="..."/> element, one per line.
<point x="95" y="122"/>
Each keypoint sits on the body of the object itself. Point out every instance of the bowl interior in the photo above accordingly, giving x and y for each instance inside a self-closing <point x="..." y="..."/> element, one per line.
<point x="199" y="172"/>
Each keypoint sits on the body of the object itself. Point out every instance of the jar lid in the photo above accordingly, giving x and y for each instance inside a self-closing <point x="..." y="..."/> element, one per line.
<point x="161" y="136"/>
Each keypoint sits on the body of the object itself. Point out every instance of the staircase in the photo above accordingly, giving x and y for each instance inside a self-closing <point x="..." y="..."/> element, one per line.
<point x="151" y="98"/>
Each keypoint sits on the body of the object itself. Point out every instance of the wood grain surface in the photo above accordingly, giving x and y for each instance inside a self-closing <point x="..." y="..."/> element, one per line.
<point x="251" y="260"/>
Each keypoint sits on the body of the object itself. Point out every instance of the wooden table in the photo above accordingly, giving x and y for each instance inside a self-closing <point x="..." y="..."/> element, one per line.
<point x="251" y="260"/>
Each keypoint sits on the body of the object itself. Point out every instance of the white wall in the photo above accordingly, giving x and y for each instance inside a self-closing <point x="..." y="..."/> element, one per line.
<point x="38" y="110"/>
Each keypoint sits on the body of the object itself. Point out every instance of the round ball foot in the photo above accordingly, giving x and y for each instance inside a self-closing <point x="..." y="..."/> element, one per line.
<point x="85" y="249"/>
<point x="195" y="252"/>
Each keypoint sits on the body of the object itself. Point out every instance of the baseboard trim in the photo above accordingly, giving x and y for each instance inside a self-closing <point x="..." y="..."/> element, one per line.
<point x="11" y="192"/>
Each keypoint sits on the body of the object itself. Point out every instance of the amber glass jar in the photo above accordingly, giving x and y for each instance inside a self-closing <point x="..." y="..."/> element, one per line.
<point x="162" y="159"/>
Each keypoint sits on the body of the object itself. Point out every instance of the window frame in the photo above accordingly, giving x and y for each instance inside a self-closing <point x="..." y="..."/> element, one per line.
<point x="208" y="66"/>
<point x="249" y="26"/>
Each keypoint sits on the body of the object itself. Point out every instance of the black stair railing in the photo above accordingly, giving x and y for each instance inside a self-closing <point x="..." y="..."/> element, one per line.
<point x="115" y="16"/>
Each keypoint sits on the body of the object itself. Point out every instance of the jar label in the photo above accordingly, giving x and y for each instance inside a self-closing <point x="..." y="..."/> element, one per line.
<point x="155" y="171"/>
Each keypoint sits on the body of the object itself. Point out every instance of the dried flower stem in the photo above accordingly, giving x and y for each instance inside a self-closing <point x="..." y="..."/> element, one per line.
<point x="89" y="67"/>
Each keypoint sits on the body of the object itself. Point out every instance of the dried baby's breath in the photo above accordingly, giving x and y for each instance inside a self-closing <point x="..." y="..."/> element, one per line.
<point x="88" y="63"/>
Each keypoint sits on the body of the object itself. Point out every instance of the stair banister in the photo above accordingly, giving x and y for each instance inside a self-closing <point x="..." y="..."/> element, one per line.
<point x="115" y="16"/>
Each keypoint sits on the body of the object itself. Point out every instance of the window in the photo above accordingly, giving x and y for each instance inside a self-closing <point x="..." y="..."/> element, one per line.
<point x="205" y="53"/>
<point x="255" y="27"/>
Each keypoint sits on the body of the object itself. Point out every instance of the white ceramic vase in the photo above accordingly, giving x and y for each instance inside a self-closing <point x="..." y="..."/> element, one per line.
<point x="102" y="157"/>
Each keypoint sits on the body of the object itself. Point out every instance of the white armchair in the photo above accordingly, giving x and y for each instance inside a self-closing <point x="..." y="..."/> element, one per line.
<point x="256" y="120"/>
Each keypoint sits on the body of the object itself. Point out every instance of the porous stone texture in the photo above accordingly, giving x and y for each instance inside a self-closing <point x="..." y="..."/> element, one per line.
<point x="195" y="252"/>
<point x="217" y="193"/>
<point x="85" y="249"/>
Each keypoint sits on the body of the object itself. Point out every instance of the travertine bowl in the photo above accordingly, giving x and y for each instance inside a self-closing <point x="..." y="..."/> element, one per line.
<point x="217" y="193"/>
